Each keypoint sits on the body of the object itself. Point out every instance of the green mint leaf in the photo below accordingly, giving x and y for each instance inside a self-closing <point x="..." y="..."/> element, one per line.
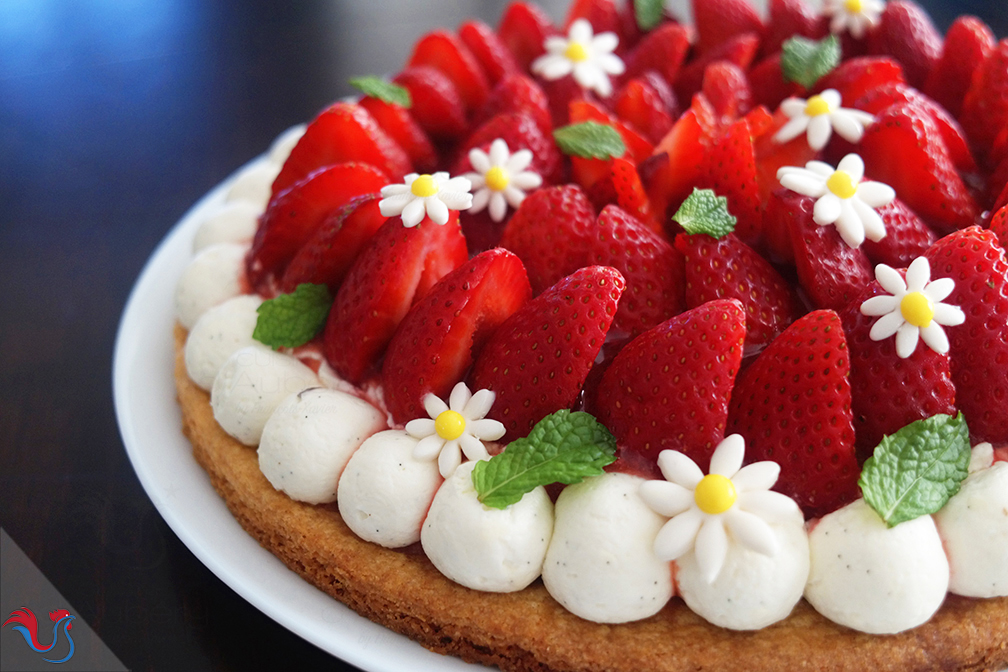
<point x="564" y="447"/>
<point x="648" y="13"/>
<point x="805" y="61"/>
<point x="590" y="140"/>
<point x="293" y="319"/>
<point x="914" y="471"/>
<point x="376" y="87"/>
<point x="705" y="212"/>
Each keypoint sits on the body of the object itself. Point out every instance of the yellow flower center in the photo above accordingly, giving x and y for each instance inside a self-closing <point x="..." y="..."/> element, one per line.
<point x="715" y="494"/>
<point x="853" y="6"/>
<point x="449" y="425"/>
<point x="576" y="52"/>
<point x="917" y="309"/>
<point x="424" y="186"/>
<point x="497" y="178"/>
<point x="816" y="106"/>
<point x="841" y="184"/>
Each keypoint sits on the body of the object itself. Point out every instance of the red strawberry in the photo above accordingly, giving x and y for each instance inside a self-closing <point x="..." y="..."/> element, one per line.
<point x="523" y="29"/>
<point x="627" y="192"/>
<point x="767" y="83"/>
<point x="904" y="149"/>
<point x="601" y="14"/>
<point x="669" y="387"/>
<point x="397" y="268"/>
<point x="444" y="51"/>
<point x="518" y="93"/>
<point x="730" y="170"/>
<point x="788" y="18"/>
<point x="340" y="133"/>
<point x="727" y="268"/>
<point x="907" y="237"/>
<point x="437" y="106"/>
<point x="740" y="50"/>
<point x="670" y="181"/>
<point x="857" y="76"/>
<point x="488" y="50"/>
<point x="832" y="273"/>
<point x="906" y="33"/>
<point x="294" y="215"/>
<point x="793" y="406"/>
<point x="726" y="87"/>
<point x="401" y="127"/>
<point x="978" y="347"/>
<point x="717" y="21"/>
<point x="434" y="345"/>
<point x="537" y="361"/>
<point x="985" y="105"/>
<point x="662" y="50"/>
<point x="327" y="255"/>
<point x="999" y="226"/>
<point x="638" y="147"/>
<point x="967" y="44"/>
<point x="519" y="131"/>
<point x="783" y="206"/>
<point x="647" y="104"/>
<point x="771" y="155"/>
<point x="889" y="392"/>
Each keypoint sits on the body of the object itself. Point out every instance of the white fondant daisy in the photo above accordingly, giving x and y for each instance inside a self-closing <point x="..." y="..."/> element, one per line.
<point x="913" y="308"/>
<point x="819" y="116"/>
<point x="430" y="195"/>
<point x="732" y="503"/>
<point x="459" y="424"/>
<point x="588" y="57"/>
<point x="843" y="199"/>
<point x="854" y="16"/>
<point x="500" y="179"/>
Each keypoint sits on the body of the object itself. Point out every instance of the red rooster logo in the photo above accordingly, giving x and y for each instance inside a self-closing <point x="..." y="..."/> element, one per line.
<point x="24" y="622"/>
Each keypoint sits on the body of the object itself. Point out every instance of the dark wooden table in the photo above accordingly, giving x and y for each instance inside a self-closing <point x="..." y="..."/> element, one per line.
<point x="114" y="118"/>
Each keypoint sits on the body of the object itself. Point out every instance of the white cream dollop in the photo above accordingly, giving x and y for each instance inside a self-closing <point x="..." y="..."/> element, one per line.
<point x="974" y="526"/>
<point x="218" y="334"/>
<point x="600" y="564"/>
<point x="873" y="578"/>
<point x="309" y="439"/>
<point x="250" y="386"/>
<point x="384" y="493"/>
<point x="497" y="550"/>
<point x="213" y="276"/>
<point x="285" y="142"/>
<point x="254" y="184"/>
<point x="234" y="222"/>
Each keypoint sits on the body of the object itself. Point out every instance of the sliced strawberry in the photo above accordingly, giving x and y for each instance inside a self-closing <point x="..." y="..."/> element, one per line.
<point x="523" y="29"/>
<point x="398" y="266"/>
<point x="327" y="255"/>
<point x="740" y="50"/>
<point x="889" y="392"/>
<point x="727" y="268"/>
<point x="630" y="193"/>
<point x="669" y="387"/>
<point x="782" y="207"/>
<point x="444" y="51"/>
<point x="435" y="343"/>
<point x="907" y="237"/>
<point x="647" y="104"/>
<point x="537" y="361"/>
<point x="730" y="170"/>
<point x="519" y="131"/>
<point x="670" y="181"/>
<point x="831" y="273"/>
<point x="772" y="155"/>
<point x="788" y="18"/>
<point x="967" y="44"/>
<point x="997" y="181"/>
<point x="294" y="215"/>
<point x="638" y="147"/>
<point x="793" y="406"/>
<point x="437" y="106"/>
<point x="717" y="21"/>
<point x="488" y="50"/>
<point x="979" y="346"/>
<point x="857" y="76"/>
<point x="999" y="226"/>
<point x="341" y="133"/>
<point x="401" y="127"/>
<point x="904" y="149"/>
<point x="985" y="105"/>
<point x="601" y="14"/>
<point x="518" y="93"/>
<point x="906" y="33"/>
<point x="767" y="83"/>
<point x="726" y="87"/>
<point x="662" y="50"/>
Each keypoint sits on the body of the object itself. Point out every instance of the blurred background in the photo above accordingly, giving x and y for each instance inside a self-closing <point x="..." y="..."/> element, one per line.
<point x="116" y="116"/>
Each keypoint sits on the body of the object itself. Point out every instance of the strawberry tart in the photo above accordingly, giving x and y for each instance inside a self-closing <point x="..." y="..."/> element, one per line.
<point x="624" y="344"/>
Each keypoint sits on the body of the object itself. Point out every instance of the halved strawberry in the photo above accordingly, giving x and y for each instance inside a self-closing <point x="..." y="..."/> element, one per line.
<point x="444" y="51"/>
<point x="766" y="81"/>
<point x="985" y="105"/>
<point x="342" y="132"/>
<point x="857" y="76"/>
<point x="907" y="237"/>
<point x="783" y="206"/>
<point x="726" y="87"/>
<point x="978" y="347"/>
<point x="669" y="387"/>
<point x="327" y="255"/>
<point x="537" y="361"/>
<point x="523" y="29"/>
<point x="398" y="267"/>
<point x="771" y="155"/>
<point x="623" y="187"/>
<point x="906" y="33"/>
<point x="793" y="406"/>
<point x="648" y="105"/>
<point x="889" y="392"/>
<point x="297" y="213"/>
<point x="638" y="147"/>
<point x="488" y="50"/>
<point x="730" y="170"/>
<point x="662" y="50"/>
<point x="671" y="179"/>
<point x="788" y="18"/>
<point x="740" y="50"/>
<point x="967" y="44"/>
<point x="437" y="106"/>
<point x="435" y="343"/>
<point x="401" y="127"/>
<point x="717" y="21"/>
<point x="517" y="93"/>
<point x="999" y="226"/>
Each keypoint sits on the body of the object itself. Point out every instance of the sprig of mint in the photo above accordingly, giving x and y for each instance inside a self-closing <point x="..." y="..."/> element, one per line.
<point x="376" y="87"/>
<point x="293" y="319"/>
<point x="916" y="470"/>
<point x="590" y="140"/>
<point x="564" y="447"/>
<point x="806" y="61"/>
<point x="648" y="13"/>
<point x="705" y="212"/>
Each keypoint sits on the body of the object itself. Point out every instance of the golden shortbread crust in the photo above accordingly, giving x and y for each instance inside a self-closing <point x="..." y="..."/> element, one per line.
<point x="528" y="630"/>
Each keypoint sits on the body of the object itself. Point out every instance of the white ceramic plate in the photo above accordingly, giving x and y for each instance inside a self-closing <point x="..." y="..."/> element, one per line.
<point x="151" y="427"/>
